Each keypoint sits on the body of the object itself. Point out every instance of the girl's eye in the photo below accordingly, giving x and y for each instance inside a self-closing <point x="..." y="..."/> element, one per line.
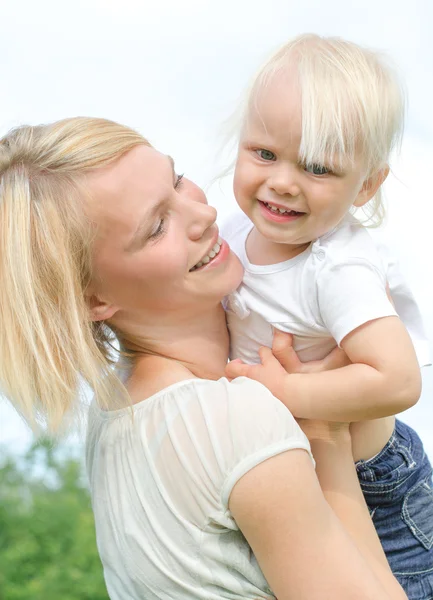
<point x="266" y="154"/>
<point x="178" y="181"/>
<point x="316" y="169"/>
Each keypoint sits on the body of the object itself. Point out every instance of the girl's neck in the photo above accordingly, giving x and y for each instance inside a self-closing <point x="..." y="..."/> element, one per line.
<point x="262" y="251"/>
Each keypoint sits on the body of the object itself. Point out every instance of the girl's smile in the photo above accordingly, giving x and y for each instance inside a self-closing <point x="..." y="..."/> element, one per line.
<point x="289" y="202"/>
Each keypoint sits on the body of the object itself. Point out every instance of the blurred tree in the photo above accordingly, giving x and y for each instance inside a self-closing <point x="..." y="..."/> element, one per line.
<point x="47" y="536"/>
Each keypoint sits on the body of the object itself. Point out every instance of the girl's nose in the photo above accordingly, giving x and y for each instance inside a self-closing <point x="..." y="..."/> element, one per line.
<point x="284" y="181"/>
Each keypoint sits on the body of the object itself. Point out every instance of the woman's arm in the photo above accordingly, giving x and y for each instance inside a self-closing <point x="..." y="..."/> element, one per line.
<point x="313" y="545"/>
<point x="331" y="445"/>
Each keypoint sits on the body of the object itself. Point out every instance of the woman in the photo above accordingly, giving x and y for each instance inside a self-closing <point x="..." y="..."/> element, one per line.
<point x="201" y="488"/>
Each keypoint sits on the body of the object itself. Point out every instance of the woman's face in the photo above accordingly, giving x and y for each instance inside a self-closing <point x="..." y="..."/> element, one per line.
<point x="152" y="229"/>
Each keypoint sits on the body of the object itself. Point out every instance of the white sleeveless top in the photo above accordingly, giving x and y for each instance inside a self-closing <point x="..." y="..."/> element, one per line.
<point x="160" y="485"/>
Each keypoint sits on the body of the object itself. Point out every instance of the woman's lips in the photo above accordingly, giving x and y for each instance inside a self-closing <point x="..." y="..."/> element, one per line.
<point x="217" y="260"/>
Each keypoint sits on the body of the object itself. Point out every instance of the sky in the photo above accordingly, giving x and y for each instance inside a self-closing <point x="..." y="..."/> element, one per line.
<point x="176" y="70"/>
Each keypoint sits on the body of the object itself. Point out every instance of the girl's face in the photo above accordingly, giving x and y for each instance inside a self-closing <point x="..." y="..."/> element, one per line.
<point x="153" y="227"/>
<point x="289" y="202"/>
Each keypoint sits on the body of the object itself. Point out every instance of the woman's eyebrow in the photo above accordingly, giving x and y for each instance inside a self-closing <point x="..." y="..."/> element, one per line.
<point x="171" y="159"/>
<point x="145" y="225"/>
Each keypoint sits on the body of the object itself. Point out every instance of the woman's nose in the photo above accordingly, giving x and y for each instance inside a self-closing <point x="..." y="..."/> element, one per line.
<point x="202" y="216"/>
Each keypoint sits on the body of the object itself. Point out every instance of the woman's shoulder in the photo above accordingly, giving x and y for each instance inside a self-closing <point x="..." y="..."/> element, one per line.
<point x="155" y="374"/>
<point x="241" y="414"/>
<point x="229" y="426"/>
<point x="211" y="431"/>
<point x="156" y="377"/>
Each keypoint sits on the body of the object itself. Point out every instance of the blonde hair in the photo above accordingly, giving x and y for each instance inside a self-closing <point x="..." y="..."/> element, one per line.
<point x="352" y="101"/>
<point x="49" y="347"/>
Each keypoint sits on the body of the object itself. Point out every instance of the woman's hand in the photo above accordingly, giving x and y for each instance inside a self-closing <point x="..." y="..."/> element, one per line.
<point x="282" y="349"/>
<point x="281" y="360"/>
<point x="325" y="431"/>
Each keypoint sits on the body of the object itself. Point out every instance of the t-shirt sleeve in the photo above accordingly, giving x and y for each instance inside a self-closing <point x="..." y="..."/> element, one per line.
<point x="406" y="305"/>
<point x="259" y="427"/>
<point x="224" y="429"/>
<point x="351" y="293"/>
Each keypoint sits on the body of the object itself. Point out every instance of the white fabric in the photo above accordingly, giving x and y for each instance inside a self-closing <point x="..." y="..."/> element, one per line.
<point x="320" y="296"/>
<point x="160" y="485"/>
<point x="406" y="305"/>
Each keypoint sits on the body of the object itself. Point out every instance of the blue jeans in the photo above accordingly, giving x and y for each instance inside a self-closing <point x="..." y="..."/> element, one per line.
<point x="397" y="485"/>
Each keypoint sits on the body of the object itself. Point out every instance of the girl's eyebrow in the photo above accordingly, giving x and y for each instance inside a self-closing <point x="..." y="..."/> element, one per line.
<point x="145" y="225"/>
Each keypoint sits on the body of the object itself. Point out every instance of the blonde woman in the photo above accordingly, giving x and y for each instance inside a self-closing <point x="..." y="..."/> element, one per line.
<point x="201" y="488"/>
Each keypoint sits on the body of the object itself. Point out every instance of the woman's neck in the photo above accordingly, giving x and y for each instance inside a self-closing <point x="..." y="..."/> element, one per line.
<point x="198" y="347"/>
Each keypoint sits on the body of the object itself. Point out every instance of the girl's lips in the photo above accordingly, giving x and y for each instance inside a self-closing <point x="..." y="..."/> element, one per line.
<point x="219" y="258"/>
<point x="277" y="217"/>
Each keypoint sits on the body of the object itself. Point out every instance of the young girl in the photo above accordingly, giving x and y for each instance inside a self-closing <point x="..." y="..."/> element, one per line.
<point x="322" y="118"/>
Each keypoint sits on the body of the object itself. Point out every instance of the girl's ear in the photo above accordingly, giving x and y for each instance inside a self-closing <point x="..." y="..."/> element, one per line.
<point x="370" y="187"/>
<point x="100" y="310"/>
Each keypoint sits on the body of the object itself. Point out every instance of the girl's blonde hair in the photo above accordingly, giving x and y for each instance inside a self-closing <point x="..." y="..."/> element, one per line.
<point x="352" y="102"/>
<point x="49" y="347"/>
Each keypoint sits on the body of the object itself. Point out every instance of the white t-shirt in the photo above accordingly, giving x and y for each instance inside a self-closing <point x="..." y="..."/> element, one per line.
<point x="160" y="485"/>
<point x="336" y="285"/>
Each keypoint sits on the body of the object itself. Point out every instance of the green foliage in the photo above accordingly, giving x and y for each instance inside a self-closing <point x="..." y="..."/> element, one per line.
<point x="47" y="538"/>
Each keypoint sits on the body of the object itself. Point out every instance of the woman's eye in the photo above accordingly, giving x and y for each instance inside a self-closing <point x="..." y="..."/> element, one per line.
<point x="316" y="169"/>
<point x="158" y="231"/>
<point x="178" y="181"/>
<point x="266" y="154"/>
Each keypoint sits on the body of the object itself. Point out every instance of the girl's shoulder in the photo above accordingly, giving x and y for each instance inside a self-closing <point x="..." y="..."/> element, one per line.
<point x="350" y="240"/>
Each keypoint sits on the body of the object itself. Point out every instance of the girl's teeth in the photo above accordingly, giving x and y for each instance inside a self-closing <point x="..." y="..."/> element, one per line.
<point x="275" y="208"/>
<point x="280" y="210"/>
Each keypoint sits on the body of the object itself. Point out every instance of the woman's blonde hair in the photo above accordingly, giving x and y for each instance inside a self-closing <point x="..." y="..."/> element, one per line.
<point x="49" y="347"/>
<point x="352" y="101"/>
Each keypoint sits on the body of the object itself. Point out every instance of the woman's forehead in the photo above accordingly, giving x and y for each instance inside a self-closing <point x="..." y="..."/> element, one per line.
<point x="128" y="181"/>
<point x="129" y="168"/>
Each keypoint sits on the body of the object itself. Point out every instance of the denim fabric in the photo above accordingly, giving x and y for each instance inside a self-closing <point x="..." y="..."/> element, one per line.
<point x="397" y="485"/>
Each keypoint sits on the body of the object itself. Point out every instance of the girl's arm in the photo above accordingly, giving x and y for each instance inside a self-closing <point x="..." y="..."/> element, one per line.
<point x="383" y="379"/>
<point x="313" y="545"/>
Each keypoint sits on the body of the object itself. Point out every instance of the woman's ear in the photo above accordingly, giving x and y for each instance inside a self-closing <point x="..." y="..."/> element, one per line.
<point x="370" y="187"/>
<point x="100" y="310"/>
